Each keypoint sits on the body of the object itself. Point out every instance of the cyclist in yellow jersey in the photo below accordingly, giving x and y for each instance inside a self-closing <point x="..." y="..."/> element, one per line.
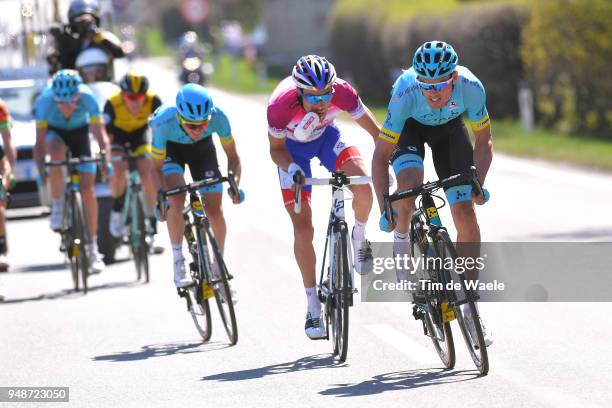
<point x="126" y="114"/>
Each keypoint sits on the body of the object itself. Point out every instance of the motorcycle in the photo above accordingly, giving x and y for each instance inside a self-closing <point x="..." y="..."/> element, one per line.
<point x="194" y="70"/>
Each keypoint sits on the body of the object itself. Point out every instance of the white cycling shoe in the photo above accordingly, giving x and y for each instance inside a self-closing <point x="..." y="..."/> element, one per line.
<point x="315" y="327"/>
<point x="116" y="226"/>
<point x="362" y="256"/>
<point x="97" y="262"/>
<point x="181" y="277"/>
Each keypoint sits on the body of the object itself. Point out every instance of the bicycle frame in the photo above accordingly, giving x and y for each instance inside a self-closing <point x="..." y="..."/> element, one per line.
<point x="130" y="210"/>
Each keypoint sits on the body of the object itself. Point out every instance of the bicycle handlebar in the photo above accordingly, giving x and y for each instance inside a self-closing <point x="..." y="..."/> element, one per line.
<point x="196" y="185"/>
<point x="338" y="180"/>
<point x="470" y="176"/>
<point x="73" y="161"/>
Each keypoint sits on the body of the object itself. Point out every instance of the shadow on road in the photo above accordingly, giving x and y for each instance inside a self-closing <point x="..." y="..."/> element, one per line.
<point x="40" y="268"/>
<point x="70" y="293"/>
<point x="305" y="363"/>
<point x="162" y="350"/>
<point x="401" y="381"/>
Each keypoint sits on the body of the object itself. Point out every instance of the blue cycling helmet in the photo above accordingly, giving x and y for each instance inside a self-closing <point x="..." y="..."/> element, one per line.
<point x="435" y="59"/>
<point x="193" y="103"/>
<point x="313" y="73"/>
<point x="65" y="84"/>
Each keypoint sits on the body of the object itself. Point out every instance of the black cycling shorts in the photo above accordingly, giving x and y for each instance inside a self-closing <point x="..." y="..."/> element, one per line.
<point x="201" y="157"/>
<point x="77" y="140"/>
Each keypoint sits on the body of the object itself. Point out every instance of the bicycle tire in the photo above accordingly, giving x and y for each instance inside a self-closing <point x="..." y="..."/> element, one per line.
<point x="199" y="307"/>
<point x="69" y="238"/>
<point x="223" y="294"/>
<point x="476" y="346"/>
<point x="83" y="236"/>
<point x="340" y="293"/>
<point x="440" y="332"/>
<point x="138" y="243"/>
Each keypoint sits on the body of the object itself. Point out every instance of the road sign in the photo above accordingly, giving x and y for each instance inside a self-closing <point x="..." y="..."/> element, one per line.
<point x="195" y="11"/>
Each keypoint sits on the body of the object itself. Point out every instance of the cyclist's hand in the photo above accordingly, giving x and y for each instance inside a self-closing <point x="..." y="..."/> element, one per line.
<point x="384" y="224"/>
<point x="293" y="171"/>
<point x="481" y="199"/>
<point x="161" y="210"/>
<point x="236" y="199"/>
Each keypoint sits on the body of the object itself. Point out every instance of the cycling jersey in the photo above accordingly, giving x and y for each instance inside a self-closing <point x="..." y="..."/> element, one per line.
<point x="129" y="131"/>
<point x="4" y="116"/>
<point x="166" y="128"/>
<point x="407" y="101"/>
<point x="48" y="115"/>
<point x="118" y="118"/>
<point x="285" y="111"/>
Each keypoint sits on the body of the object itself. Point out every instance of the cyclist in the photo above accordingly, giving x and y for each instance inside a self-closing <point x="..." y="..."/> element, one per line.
<point x="126" y="114"/>
<point x="182" y="135"/>
<point x="7" y="163"/>
<point x="65" y="112"/>
<point x="301" y="126"/>
<point x="426" y="106"/>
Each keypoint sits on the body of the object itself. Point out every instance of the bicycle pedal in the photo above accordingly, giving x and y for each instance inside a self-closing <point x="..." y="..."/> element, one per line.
<point x="417" y="313"/>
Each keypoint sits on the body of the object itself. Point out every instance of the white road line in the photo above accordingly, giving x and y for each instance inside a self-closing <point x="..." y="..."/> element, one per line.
<point x="403" y="343"/>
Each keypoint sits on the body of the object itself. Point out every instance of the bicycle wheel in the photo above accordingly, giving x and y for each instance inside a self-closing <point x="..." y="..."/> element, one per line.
<point x="221" y="287"/>
<point x="69" y="240"/>
<point x="81" y="241"/>
<point x="199" y="309"/>
<point x="340" y="295"/>
<point x="138" y="239"/>
<point x="469" y="324"/>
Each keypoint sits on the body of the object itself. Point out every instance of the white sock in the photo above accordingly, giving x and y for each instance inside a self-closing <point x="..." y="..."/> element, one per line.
<point x="93" y="245"/>
<point x="314" y="305"/>
<point x="359" y="230"/>
<point x="400" y="237"/>
<point x="57" y="203"/>
<point x="177" y="252"/>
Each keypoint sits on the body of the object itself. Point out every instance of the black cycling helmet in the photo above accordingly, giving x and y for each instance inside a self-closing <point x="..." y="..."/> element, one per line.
<point x="80" y="7"/>
<point x="134" y="83"/>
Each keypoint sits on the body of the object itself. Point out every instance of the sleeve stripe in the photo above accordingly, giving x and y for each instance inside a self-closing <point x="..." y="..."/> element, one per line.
<point x="481" y="124"/>
<point x="42" y="124"/>
<point x="95" y="120"/>
<point x="389" y="135"/>
<point x="158" y="153"/>
<point x="226" y="139"/>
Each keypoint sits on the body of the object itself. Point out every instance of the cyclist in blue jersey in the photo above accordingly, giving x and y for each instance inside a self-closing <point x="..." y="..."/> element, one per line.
<point x="65" y="112"/>
<point x="426" y="106"/>
<point x="182" y="135"/>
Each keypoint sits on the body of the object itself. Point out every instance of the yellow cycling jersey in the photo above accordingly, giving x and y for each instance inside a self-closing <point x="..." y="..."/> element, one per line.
<point x="119" y="119"/>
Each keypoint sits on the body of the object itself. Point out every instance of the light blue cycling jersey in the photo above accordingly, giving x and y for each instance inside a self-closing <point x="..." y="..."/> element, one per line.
<point x="47" y="114"/>
<point x="166" y="128"/>
<point x="407" y="101"/>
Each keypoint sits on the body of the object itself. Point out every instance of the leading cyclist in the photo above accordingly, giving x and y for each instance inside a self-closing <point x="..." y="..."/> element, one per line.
<point x="426" y="106"/>
<point x="182" y="135"/>
<point x="65" y="112"/>
<point x="301" y="125"/>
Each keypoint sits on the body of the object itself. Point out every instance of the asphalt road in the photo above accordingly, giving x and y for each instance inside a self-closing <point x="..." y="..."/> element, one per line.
<point x="130" y="344"/>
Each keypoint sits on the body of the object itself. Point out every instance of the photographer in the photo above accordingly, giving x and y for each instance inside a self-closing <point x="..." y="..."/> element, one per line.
<point x="82" y="32"/>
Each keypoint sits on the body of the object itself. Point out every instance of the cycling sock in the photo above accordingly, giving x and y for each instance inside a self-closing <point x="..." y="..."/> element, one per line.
<point x="59" y="204"/>
<point x="314" y="305"/>
<point x="118" y="203"/>
<point x="3" y="248"/>
<point x="359" y="230"/>
<point x="400" y="237"/>
<point x="177" y="252"/>
<point x="93" y="245"/>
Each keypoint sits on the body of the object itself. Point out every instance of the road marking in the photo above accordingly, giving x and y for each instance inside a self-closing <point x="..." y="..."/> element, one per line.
<point x="402" y="342"/>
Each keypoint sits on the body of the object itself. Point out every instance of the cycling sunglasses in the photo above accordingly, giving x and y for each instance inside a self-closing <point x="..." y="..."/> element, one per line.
<point x="194" y="125"/>
<point x="69" y="101"/>
<point x="438" y="86"/>
<point x="314" y="99"/>
<point x="134" y="96"/>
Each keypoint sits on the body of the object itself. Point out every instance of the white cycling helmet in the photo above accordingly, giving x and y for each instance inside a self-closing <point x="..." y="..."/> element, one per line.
<point x="91" y="56"/>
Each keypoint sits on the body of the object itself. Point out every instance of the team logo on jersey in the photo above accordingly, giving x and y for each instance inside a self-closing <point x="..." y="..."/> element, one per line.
<point x="412" y="148"/>
<point x="452" y="105"/>
<point x="209" y="174"/>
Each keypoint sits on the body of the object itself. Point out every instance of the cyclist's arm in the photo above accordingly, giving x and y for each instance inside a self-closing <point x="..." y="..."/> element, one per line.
<point x="99" y="132"/>
<point x="9" y="147"/>
<point x="369" y="124"/>
<point x="39" y="146"/>
<point x="158" y="165"/>
<point x="233" y="159"/>
<point x="483" y="152"/>
<point x="380" y="169"/>
<point x="279" y="154"/>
